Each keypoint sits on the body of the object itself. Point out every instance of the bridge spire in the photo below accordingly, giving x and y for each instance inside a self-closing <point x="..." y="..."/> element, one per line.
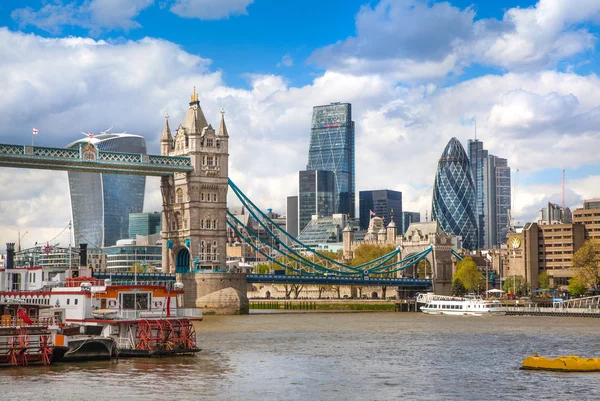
<point x="194" y="121"/>
<point x="222" y="128"/>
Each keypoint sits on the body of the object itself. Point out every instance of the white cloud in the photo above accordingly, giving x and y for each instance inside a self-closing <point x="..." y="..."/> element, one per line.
<point x="210" y="9"/>
<point x="416" y="39"/>
<point x="95" y="15"/>
<point x="400" y="131"/>
<point x="286" y="61"/>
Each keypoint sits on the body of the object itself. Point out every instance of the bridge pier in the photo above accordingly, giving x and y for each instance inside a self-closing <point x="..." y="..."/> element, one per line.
<point x="215" y="293"/>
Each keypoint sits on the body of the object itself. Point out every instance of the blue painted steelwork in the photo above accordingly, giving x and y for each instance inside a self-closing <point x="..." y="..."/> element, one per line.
<point x="40" y="157"/>
<point x="456" y="254"/>
<point x="182" y="263"/>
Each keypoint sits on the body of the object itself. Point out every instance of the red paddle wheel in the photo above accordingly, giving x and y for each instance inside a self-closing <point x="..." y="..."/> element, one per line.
<point x="19" y="347"/>
<point x="46" y="349"/>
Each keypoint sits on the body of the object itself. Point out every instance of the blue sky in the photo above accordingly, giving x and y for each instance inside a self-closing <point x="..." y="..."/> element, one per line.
<point x="417" y="72"/>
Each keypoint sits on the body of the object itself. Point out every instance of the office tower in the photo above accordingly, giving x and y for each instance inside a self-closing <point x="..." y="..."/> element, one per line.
<point x="332" y="149"/>
<point x="291" y="216"/>
<point x="316" y="191"/>
<point x="491" y="176"/>
<point x="408" y="218"/>
<point x="144" y="224"/>
<point x="101" y="203"/>
<point x="554" y="214"/>
<point x="453" y="205"/>
<point x="383" y="203"/>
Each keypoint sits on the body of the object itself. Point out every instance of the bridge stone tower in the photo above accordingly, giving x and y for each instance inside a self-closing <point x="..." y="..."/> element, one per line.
<point x="195" y="203"/>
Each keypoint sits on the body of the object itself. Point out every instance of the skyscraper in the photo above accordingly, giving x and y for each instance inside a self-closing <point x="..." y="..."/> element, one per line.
<point x="101" y="203"/>
<point x="291" y="216"/>
<point x="144" y="224"/>
<point x="453" y="205"/>
<point x="408" y="218"/>
<point x="332" y="149"/>
<point x="491" y="176"/>
<point x="384" y="203"/>
<point x="315" y="196"/>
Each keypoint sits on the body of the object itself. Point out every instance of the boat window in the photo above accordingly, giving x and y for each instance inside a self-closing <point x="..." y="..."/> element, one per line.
<point x="76" y="300"/>
<point x="68" y="301"/>
<point x="139" y="300"/>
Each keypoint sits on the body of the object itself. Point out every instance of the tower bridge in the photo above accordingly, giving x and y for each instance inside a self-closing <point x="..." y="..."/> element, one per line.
<point x="193" y="167"/>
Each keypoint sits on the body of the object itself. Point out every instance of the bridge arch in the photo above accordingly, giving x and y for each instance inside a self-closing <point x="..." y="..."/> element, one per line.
<point x="182" y="260"/>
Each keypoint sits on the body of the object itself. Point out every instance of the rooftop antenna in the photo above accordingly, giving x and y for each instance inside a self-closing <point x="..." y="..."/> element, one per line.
<point x="563" y="190"/>
<point x="475" y="128"/>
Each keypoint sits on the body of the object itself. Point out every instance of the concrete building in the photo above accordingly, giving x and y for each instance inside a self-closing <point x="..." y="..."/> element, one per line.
<point x="198" y="197"/>
<point x="589" y="216"/>
<point x="408" y="218"/>
<point x="316" y="195"/>
<point x="101" y="203"/>
<point x="144" y="224"/>
<point x="142" y="252"/>
<point x="332" y="149"/>
<point x="384" y="203"/>
<point x="291" y="216"/>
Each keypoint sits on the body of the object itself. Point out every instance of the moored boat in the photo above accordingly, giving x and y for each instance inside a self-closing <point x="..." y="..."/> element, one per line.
<point x="444" y="305"/>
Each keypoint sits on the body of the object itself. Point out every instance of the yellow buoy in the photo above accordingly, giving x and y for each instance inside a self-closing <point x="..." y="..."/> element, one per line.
<point x="572" y="363"/>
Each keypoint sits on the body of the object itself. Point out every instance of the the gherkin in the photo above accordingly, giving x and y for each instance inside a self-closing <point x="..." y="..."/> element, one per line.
<point x="454" y="195"/>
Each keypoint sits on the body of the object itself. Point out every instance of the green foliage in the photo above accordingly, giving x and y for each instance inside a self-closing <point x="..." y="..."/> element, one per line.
<point x="262" y="268"/>
<point x="586" y="263"/>
<point x="424" y="268"/>
<point x="458" y="289"/>
<point x="516" y="285"/>
<point x="368" y="252"/>
<point x="469" y="275"/>
<point x="576" y="286"/>
<point x="543" y="281"/>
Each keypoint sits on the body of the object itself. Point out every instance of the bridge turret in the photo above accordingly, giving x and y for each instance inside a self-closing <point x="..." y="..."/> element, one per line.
<point x="348" y="239"/>
<point x="166" y="139"/>
<point x="392" y="232"/>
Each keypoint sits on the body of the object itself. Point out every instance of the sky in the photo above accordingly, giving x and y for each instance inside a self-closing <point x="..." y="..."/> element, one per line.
<point x="416" y="72"/>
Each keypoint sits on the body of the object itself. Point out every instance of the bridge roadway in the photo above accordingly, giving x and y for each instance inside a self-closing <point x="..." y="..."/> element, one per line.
<point x="283" y="279"/>
<point x="91" y="160"/>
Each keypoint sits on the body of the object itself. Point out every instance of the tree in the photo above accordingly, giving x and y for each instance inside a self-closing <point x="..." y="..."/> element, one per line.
<point x="586" y="263"/>
<point x="458" y="289"/>
<point x="368" y="252"/>
<point x="323" y="288"/>
<point x="338" y="290"/>
<point x="262" y="268"/>
<point x="423" y="268"/>
<point x="576" y="286"/>
<point x="543" y="281"/>
<point x="297" y="288"/>
<point x="469" y="275"/>
<point x="516" y="285"/>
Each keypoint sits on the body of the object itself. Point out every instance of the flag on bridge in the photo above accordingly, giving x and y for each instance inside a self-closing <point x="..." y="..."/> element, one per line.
<point x="35" y="131"/>
<point x="90" y="135"/>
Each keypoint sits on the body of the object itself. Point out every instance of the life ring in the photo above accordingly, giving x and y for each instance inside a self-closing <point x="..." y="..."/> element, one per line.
<point x="112" y="303"/>
<point x="158" y="303"/>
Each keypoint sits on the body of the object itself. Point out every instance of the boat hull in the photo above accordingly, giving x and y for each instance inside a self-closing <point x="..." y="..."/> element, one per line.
<point x="90" y="348"/>
<point x="571" y="363"/>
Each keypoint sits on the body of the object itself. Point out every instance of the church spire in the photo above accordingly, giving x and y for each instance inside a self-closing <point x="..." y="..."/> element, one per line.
<point x="222" y="128"/>
<point x="166" y="134"/>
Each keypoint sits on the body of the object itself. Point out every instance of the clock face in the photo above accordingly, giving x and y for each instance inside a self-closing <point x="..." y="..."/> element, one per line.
<point x="515" y="242"/>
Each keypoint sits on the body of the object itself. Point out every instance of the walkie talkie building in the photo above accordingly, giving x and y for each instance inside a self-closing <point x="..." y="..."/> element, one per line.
<point x="101" y="203"/>
<point x="454" y="195"/>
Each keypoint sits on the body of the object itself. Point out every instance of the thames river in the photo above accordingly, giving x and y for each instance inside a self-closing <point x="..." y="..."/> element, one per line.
<point x="338" y="356"/>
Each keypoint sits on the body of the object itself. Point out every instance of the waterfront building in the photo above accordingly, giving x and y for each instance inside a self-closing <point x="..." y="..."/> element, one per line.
<point x="143" y="253"/>
<point x="316" y="193"/>
<point x="383" y="203"/>
<point x="554" y="214"/>
<point x="101" y="203"/>
<point x="144" y="224"/>
<point x="291" y="216"/>
<point x="332" y="149"/>
<point x="492" y="187"/>
<point x="408" y="218"/>
<point x="589" y="215"/>
<point x="453" y="205"/>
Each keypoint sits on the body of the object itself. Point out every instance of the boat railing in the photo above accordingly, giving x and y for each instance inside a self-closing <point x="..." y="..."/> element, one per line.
<point x="189" y="312"/>
<point x="429" y="297"/>
<point x="17" y="321"/>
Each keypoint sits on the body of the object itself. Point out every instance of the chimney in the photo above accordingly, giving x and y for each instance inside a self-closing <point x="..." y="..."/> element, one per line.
<point x="10" y="255"/>
<point x="83" y="255"/>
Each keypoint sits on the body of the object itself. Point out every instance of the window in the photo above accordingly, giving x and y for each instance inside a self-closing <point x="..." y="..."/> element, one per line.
<point x="202" y="196"/>
<point x="179" y="195"/>
<point x="209" y="142"/>
<point x="140" y="300"/>
<point x="76" y="301"/>
<point x="179" y="221"/>
<point x="214" y="197"/>
<point x="210" y="161"/>
<point x="68" y="301"/>
<point x="201" y="223"/>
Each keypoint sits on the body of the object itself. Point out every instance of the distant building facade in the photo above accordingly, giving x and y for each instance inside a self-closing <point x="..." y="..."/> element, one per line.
<point x="316" y="195"/>
<point x="554" y="214"/>
<point x="332" y="149"/>
<point x="101" y="203"/>
<point x="291" y="216"/>
<point x="143" y="253"/>
<point x="144" y="224"/>
<point x="408" y="218"/>
<point x="384" y="203"/>
<point x="453" y="205"/>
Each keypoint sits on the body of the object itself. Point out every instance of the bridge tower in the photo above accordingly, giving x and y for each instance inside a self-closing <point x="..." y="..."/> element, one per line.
<point x="195" y="203"/>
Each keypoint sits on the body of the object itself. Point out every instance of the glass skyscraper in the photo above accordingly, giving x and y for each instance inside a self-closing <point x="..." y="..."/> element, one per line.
<point x="315" y="196"/>
<point x="332" y="149"/>
<point x="491" y="176"/>
<point x="384" y="203"/>
<point x="144" y="224"/>
<point x="101" y="203"/>
<point x="453" y="205"/>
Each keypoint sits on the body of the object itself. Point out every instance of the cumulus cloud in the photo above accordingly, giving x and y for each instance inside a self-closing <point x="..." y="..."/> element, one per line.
<point x="400" y="131"/>
<point x="95" y="15"/>
<point x="210" y="9"/>
<point x="417" y="39"/>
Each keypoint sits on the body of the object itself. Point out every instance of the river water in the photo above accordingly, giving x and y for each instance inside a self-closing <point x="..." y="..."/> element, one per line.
<point x="337" y="356"/>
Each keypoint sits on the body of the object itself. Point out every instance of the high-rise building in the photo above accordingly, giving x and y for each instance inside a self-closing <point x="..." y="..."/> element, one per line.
<point x="291" y="216"/>
<point x="408" y="218"/>
<point x="144" y="224"/>
<point x="332" y="149"/>
<point x="453" y="205"/>
<point x="554" y="214"/>
<point x="316" y="192"/>
<point x="101" y="203"/>
<point x="491" y="179"/>
<point x="384" y="203"/>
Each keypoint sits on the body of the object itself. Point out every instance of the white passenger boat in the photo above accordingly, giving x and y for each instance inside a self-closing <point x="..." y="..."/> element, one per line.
<point x="471" y="305"/>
